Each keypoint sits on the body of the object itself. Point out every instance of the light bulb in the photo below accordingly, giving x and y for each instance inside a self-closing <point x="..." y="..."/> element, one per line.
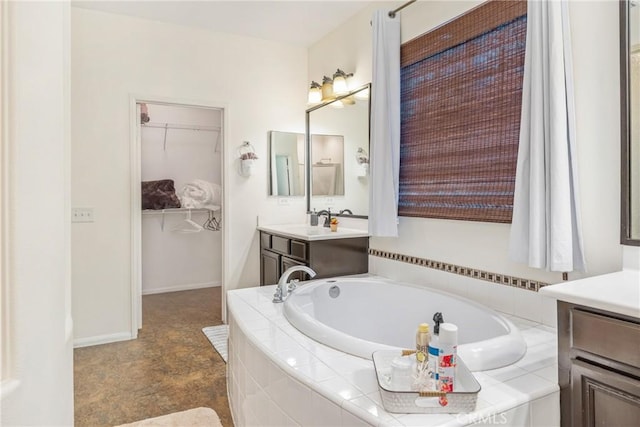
<point x="340" y="82"/>
<point x="315" y="93"/>
<point x="327" y="89"/>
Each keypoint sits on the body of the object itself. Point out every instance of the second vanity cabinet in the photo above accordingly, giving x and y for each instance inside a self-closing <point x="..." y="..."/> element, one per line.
<point x="331" y="257"/>
<point x="598" y="367"/>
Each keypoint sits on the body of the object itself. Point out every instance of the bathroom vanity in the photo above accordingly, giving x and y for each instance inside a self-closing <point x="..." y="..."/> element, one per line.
<point x="327" y="253"/>
<point x="599" y="349"/>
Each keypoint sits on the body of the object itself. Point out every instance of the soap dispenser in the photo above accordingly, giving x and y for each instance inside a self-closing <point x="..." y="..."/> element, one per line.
<point x="314" y="218"/>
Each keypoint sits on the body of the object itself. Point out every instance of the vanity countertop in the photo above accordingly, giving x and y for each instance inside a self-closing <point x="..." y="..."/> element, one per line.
<point x="309" y="233"/>
<point x="617" y="292"/>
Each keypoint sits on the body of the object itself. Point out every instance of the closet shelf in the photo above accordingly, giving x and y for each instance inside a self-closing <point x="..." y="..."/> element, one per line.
<point x="178" y="210"/>
<point x="188" y="211"/>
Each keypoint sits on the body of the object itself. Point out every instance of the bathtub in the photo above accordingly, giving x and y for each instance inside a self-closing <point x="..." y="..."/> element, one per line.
<point x="361" y="315"/>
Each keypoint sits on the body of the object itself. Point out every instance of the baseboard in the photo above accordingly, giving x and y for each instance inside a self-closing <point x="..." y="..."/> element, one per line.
<point x="102" y="339"/>
<point x="176" y="288"/>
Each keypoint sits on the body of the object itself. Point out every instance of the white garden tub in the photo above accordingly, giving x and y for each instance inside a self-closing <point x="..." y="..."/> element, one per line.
<point x="372" y="314"/>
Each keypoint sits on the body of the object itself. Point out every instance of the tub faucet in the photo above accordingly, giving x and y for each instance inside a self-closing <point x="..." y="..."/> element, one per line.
<point x="283" y="289"/>
<point x="345" y="211"/>
<point x="327" y="218"/>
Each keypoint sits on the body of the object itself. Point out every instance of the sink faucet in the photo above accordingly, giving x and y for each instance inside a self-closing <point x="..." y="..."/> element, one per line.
<point x="283" y="289"/>
<point x="345" y="211"/>
<point x="327" y="218"/>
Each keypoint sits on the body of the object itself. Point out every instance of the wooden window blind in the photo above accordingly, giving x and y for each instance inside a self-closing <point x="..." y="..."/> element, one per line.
<point x="461" y="91"/>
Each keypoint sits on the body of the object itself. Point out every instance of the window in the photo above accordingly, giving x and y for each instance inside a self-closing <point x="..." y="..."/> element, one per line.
<point x="461" y="90"/>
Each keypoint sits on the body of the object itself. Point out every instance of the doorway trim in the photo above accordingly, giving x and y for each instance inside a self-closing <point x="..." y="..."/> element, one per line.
<point x="136" y="209"/>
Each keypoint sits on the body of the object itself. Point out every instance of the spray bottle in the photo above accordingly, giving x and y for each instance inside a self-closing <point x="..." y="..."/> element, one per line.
<point x="448" y="341"/>
<point x="433" y="352"/>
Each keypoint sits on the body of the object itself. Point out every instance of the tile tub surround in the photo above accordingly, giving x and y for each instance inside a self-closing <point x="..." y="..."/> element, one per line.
<point x="277" y="376"/>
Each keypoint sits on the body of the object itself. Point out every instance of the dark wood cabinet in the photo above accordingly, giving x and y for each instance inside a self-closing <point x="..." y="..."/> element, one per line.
<point x="328" y="258"/>
<point x="598" y="367"/>
<point x="288" y="262"/>
<point x="603" y="397"/>
<point x="269" y="267"/>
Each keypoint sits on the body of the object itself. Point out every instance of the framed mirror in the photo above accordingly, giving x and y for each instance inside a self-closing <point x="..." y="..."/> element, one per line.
<point x="286" y="164"/>
<point x="337" y="135"/>
<point x="630" y="121"/>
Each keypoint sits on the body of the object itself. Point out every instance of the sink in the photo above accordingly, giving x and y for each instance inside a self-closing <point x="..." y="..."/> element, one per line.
<point x="305" y="229"/>
<point x="307" y="232"/>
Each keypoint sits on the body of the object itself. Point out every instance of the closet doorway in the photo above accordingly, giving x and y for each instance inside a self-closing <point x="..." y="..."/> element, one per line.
<point x="177" y="200"/>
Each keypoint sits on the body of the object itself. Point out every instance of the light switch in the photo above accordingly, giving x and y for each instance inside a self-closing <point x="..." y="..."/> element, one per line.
<point x="82" y="215"/>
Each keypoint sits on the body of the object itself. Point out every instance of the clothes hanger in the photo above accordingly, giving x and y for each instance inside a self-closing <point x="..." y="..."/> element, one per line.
<point x="188" y="226"/>
<point x="212" y="224"/>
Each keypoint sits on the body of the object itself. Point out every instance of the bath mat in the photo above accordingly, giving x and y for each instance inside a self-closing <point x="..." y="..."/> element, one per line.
<point x="218" y="336"/>
<point x="192" y="417"/>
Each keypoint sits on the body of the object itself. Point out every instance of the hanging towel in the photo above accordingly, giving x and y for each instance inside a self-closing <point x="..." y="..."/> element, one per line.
<point x="201" y="194"/>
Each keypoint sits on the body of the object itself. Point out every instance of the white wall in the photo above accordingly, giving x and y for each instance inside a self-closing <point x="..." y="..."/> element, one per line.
<point x="594" y="26"/>
<point x="174" y="261"/>
<point x="38" y="387"/>
<point x="263" y="85"/>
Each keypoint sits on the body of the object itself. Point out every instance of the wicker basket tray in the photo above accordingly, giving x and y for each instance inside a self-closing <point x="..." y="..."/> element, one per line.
<point x="404" y="400"/>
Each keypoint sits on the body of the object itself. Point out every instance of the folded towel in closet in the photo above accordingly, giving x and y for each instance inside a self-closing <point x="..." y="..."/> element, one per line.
<point x="201" y="194"/>
<point x="159" y="194"/>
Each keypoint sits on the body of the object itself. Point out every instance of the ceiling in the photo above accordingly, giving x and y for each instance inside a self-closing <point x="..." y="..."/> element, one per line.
<point x="299" y="23"/>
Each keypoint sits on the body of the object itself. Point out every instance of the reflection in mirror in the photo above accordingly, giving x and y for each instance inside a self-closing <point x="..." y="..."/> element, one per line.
<point x="339" y="143"/>
<point x="327" y="164"/>
<point x="630" y="78"/>
<point x="286" y="164"/>
<point x="634" y="149"/>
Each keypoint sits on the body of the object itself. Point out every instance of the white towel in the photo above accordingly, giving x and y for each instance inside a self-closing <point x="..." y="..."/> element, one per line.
<point x="201" y="194"/>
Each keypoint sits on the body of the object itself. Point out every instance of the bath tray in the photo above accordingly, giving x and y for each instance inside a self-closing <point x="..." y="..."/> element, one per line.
<point x="404" y="400"/>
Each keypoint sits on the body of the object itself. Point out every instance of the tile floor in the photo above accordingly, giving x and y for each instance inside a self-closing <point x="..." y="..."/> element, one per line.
<point x="170" y="367"/>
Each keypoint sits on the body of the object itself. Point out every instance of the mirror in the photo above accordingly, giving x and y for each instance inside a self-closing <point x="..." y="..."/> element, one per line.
<point x="286" y="163"/>
<point x="338" y="147"/>
<point x="327" y="165"/>
<point x="630" y="113"/>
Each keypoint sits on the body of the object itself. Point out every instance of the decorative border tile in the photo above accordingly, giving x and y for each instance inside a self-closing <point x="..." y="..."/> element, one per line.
<point x="502" y="279"/>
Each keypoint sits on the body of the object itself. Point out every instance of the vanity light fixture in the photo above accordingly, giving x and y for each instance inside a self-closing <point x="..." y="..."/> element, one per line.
<point x="327" y="89"/>
<point x="341" y="87"/>
<point x="315" y="93"/>
<point x="340" y="82"/>
<point x="331" y="88"/>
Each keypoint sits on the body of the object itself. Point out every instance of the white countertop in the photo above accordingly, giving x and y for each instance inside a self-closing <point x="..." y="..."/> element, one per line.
<point x="617" y="292"/>
<point x="309" y="233"/>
